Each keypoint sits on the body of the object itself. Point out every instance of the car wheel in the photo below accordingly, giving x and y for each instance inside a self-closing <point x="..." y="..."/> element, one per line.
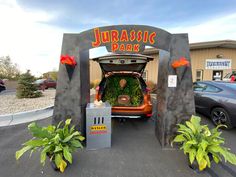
<point x="220" y="116"/>
<point x="2" y="88"/>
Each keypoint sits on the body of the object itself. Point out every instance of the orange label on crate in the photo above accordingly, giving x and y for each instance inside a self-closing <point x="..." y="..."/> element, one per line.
<point x="98" y="127"/>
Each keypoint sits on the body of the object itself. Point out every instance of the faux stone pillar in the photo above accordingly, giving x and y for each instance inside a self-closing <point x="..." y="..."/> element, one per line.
<point x="72" y="95"/>
<point x="174" y="104"/>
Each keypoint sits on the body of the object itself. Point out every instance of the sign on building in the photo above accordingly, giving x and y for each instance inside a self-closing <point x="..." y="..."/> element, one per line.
<point x="218" y="63"/>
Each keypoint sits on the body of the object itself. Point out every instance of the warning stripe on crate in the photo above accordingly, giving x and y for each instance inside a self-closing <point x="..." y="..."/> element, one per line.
<point x="100" y="132"/>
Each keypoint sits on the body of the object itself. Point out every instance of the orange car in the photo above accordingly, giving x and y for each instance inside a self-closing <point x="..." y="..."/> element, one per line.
<point x="122" y="85"/>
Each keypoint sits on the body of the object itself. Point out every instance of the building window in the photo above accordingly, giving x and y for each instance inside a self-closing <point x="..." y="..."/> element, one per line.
<point x="145" y="75"/>
<point x="199" y="75"/>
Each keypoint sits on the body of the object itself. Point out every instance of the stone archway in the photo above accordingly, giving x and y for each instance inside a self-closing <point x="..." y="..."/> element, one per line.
<point x="175" y="104"/>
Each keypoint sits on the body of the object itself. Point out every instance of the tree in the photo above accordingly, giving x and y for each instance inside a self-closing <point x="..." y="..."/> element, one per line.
<point x="8" y="70"/>
<point x="26" y="87"/>
<point x="51" y="74"/>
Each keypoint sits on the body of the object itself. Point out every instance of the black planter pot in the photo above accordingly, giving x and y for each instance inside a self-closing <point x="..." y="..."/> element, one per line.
<point x="53" y="164"/>
<point x="194" y="165"/>
<point x="70" y="70"/>
<point x="180" y="72"/>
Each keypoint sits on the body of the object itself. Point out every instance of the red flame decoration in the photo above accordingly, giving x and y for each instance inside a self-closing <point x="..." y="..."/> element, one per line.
<point x="69" y="60"/>
<point x="180" y="62"/>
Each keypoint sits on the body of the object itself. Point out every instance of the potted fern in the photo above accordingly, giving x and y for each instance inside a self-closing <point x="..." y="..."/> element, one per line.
<point x="202" y="144"/>
<point x="56" y="142"/>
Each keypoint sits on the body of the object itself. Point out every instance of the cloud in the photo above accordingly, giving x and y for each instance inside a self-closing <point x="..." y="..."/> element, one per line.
<point x="31" y="31"/>
<point x="30" y="43"/>
<point x="220" y="28"/>
<point x="85" y="14"/>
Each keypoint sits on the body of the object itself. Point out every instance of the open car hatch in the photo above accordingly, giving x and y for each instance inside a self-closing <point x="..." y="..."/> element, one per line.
<point x="123" y="63"/>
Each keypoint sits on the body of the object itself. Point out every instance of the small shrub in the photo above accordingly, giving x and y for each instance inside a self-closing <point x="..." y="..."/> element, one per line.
<point x="26" y="87"/>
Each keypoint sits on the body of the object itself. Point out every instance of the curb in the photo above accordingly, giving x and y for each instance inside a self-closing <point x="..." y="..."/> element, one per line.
<point x="7" y="91"/>
<point x="24" y="117"/>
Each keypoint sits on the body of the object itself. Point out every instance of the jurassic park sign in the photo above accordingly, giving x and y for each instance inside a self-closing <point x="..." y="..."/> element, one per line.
<point x="124" y="40"/>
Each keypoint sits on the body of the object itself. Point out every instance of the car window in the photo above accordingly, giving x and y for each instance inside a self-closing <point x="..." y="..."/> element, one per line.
<point x="199" y="86"/>
<point x="211" y="88"/>
<point x="49" y="80"/>
<point x="227" y="75"/>
<point x="39" y="81"/>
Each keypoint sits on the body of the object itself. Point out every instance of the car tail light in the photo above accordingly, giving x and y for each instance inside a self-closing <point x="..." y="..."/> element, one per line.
<point x="148" y="115"/>
<point x="148" y="89"/>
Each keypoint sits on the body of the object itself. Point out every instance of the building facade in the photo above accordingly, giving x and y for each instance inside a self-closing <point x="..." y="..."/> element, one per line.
<point x="209" y="61"/>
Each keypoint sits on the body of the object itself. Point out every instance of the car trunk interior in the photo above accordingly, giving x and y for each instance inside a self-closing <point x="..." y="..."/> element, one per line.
<point x="123" y="90"/>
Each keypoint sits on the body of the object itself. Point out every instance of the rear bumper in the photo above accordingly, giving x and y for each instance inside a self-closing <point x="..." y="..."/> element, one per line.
<point x="142" y="111"/>
<point x="127" y="116"/>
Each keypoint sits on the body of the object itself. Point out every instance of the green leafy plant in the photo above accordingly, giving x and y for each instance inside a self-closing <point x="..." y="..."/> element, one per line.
<point x="56" y="142"/>
<point x="199" y="142"/>
<point x="132" y="89"/>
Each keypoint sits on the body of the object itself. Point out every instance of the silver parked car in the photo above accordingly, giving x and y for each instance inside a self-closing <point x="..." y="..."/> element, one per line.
<point x="216" y="100"/>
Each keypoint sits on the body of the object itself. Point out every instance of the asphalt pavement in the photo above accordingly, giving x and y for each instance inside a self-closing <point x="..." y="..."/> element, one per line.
<point x="135" y="152"/>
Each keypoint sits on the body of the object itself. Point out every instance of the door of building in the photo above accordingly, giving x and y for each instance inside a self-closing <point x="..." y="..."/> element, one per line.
<point x="217" y="74"/>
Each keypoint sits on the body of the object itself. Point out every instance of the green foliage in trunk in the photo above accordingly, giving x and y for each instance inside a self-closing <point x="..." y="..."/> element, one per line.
<point x="113" y="90"/>
<point x="26" y="87"/>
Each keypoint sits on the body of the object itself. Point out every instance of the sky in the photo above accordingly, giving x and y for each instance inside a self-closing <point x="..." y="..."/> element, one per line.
<point x="31" y="31"/>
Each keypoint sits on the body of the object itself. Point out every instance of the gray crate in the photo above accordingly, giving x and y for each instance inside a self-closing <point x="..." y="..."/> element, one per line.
<point x="98" y="126"/>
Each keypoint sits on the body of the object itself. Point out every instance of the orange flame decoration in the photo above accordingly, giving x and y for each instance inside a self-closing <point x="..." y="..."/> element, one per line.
<point x="180" y="62"/>
<point x="69" y="60"/>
